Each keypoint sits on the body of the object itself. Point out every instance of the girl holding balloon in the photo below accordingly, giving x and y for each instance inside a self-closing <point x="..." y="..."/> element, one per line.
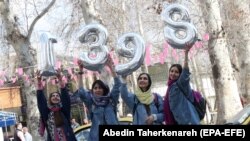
<point x="55" y="114"/>
<point x="100" y="101"/>
<point x="147" y="107"/>
<point x="177" y="108"/>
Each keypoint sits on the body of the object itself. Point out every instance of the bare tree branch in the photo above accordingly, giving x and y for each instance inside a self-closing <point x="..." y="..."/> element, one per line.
<point x="40" y="16"/>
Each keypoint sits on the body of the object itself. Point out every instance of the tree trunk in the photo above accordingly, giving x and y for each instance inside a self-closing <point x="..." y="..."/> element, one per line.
<point x="89" y="13"/>
<point x="199" y="86"/>
<point x="239" y="39"/>
<point x="144" y="67"/>
<point x="225" y="84"/>
<point x="27" y="60"/>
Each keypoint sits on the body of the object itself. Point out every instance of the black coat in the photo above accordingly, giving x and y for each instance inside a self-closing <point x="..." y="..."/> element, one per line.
<point x="65" y="112"/>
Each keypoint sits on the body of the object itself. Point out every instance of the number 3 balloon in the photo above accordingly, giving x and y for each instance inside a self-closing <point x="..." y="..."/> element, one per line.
<point x="94" y="37"/>
<point x="130" y="45"/>
<point x="180" y="26"/>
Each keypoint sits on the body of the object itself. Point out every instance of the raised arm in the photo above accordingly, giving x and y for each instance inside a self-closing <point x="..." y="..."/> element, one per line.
<point x="65" y="98"/>
<point x="80" y="73"/>
<point x="111" y="65"/>
<point x="41" y="99"/>
<point x="127" y="97"/>
<point x="183" y="81"/>
<point x="81" y="92"/>
<point x="187" y="48"/>
<point x="117" y="82"/>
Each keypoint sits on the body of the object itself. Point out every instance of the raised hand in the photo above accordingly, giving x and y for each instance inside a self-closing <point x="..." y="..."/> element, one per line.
<point x="111" y="65"/>
<point x="110" y="62"/>
<point x="38" y="76"/>
<point x="124" y="79"/>
<point x="80" y="64"/>
<point x="59" y="74"/>
<point x="188" y="47"/>
<point x="39" y="80"/>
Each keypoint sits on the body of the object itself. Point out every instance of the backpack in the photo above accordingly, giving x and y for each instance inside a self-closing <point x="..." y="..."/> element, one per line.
<point x="155" y="101"/>
<point x="199" y="103"/>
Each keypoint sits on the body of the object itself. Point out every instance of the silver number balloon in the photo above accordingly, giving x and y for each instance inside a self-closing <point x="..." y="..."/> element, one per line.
<point x="94" y="37"/>
<point x="132" y="46"/>
<point x="47" y="57"/>
<point x="178" y="32"/>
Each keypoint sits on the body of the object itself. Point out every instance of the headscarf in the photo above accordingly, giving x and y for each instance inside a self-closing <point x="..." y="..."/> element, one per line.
<point x="149" y="80"/>
<point x="101" y="100"/>
<point x="52" y="108"/>
<point x="169" y="118"/>
<point x="50" y="123"/>
<point x="144" y="97"/>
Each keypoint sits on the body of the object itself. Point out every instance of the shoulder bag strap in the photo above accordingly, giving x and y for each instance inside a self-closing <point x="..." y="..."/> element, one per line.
<point x="183" y="92"/>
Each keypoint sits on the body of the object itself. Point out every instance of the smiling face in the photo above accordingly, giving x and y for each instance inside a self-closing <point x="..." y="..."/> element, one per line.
<point x="97" y="90"/>
<point x="144" y="82"/>
<point x="55" y="98"/>
<point x="174" y="73"/>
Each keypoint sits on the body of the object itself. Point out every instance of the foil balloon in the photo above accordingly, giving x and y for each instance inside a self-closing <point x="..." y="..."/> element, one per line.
<point x="179" y="31"/>
<point x="93" y="38"/>
<point x="47" y="60"/>
<point x="131" y="46"/>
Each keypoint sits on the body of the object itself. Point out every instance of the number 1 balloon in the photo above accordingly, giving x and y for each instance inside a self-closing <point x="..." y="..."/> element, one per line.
<point x="130" y="45"/>
<point x="94" y="37"/>
<point x="47" y="58"/>
<point x="186" y="30"/>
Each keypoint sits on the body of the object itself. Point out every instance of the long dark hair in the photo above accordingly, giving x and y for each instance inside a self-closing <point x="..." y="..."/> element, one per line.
<point x="57" y="114"/>
<point x="102" y="85"/>
<point x="50" y="95"/>
<point x="178" y="66"/>
<point x="149" y="80"/>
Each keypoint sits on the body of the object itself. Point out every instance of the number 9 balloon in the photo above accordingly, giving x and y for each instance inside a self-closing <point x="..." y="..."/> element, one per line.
<point x="130" y="45"/>
<point x="94" y="38"/>
<point x="47" y="58"/>
<point x="173" y="32"/>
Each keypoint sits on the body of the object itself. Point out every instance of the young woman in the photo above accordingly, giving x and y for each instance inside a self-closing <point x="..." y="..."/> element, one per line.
<point x="177" y="108"/>
<point x="147" y="108"/>
<point x="100" y="102"/>
<point x="55" y="114"/>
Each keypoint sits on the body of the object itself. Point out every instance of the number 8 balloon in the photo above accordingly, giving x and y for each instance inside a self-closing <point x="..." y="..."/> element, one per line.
<point x="130" y="45"/>
<point x="174" y="28"/>
<point x="94" y="36"/>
